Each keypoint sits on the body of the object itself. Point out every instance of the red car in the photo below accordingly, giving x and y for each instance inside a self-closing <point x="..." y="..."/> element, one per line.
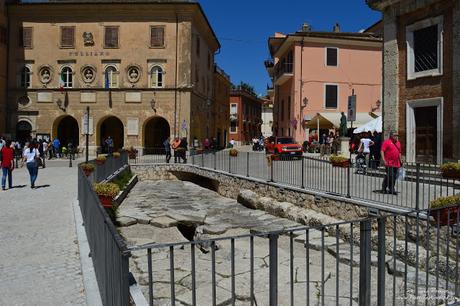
<point x="285" y="146"/>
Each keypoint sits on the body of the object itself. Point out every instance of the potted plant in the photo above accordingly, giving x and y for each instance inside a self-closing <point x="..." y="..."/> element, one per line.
<point x="443" y="213"/>
<point x="132" y="153"/>
<point x="233" y="152"/>
<point x="451" y="170"/>
<point x="106" y="193"/>
<point x="116" y="154"/>
<point x="100" y="159"/>
<point x="339" y="161"/>
<point x="87" y="168"/>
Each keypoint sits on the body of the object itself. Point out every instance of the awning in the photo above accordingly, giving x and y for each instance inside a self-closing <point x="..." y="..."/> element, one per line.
<point x="372" y="126"/>
<point x="332" y="120"/>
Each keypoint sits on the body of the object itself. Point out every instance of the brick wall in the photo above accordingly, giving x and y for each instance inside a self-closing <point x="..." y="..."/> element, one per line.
<point x="427" y="87"/>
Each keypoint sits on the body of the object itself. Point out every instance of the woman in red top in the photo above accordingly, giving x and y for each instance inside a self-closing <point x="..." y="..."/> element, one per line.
<point x="7" y="164"/>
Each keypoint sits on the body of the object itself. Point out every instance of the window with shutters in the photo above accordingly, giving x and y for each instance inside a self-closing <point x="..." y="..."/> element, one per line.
<point x="111" y="37"/>
<point x="157" y="37"/>
<point x="67" y="37"/>
<point x="156" y="77"/>
<point x="331" y="96"/>
<point x="111" y="77"/>
<point x="25" y="37"/>
<point x="332" y="57"/>
<point x="25" y="80"/>
<point x="66" y="79"/>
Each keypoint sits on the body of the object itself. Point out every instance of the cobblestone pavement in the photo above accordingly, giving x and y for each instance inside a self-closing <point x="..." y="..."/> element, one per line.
<point x="39" y="253"/>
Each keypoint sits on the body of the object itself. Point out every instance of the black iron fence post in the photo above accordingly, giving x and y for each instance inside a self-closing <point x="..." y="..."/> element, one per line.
<point x="381" y="262"/>
<point x="271" y="169"/>
<point x="202" y="159"/>
<point x="348" y="179"/>
<point x="247" y="164"/>
<point x="229" y="163"/>
<point x="365" y="263"/>
<point x="215" y="163"/>
<point x="303" y="172"/>
<point x="417" y="187"/>
<point x="273" y="266"/>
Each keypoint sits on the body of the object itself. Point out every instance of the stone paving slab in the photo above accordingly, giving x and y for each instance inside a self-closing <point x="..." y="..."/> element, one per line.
<point x="39" y="253"/>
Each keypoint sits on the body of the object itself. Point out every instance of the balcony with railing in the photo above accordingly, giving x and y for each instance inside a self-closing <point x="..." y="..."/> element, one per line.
<point x="283" y="72"/>
<point x="269" y="64"/>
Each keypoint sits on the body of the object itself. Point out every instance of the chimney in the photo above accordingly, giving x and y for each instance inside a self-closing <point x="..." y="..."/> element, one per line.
<point x="306" y="27"/>
<point x="336" y="28"/>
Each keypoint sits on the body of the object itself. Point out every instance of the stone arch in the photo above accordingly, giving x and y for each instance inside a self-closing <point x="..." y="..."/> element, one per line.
<point x="23" y="131"/>
<point x="110" y="126"/>
<point x="66" y="129"/>
<point x="155" y="131"/>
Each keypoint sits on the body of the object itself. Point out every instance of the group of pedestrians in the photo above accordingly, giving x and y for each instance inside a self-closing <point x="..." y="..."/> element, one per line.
<point x="179" y="145"/>
<point x="30" y="155"/>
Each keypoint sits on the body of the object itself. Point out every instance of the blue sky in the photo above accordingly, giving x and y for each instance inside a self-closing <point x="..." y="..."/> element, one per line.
<point x="243" y="27"/>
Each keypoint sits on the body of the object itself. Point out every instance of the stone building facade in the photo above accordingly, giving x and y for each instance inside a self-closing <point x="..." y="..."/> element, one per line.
<point x="3" y="64"/>
<point x="245" y="115"/>
<point x="144" y="69"/>
<point x="422" y="76"/>
<point x="220" y="115"/>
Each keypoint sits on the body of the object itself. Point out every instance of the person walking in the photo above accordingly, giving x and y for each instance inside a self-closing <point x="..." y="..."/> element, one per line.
<point x="56" y="148"/>
<point x="183" y="152"/>
<point x="7" y="164"/>
<point x="167" y="146"/>
<point x="31" y="155"/>
<point x="364" y="147"/>
<point x="391" y="157"/>
<point x="109" y="144"/>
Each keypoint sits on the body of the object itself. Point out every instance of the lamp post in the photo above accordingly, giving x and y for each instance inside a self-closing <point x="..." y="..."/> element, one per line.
<point x="87" y="133"/>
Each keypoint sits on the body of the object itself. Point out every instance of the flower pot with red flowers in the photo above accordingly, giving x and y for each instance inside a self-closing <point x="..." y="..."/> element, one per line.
<point x="339" y="161"/>
<point x="451" y="171"/>
<point x="106" y="193"/>
<point x="444" y="210"/>
<point x="100" y="160"/>
<point x="87" y="168"/>
<point x="116" y="155"/>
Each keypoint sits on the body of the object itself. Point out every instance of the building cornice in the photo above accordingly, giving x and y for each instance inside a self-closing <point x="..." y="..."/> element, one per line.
<point x="350" y="39"/>
<point x="381" y="5"/>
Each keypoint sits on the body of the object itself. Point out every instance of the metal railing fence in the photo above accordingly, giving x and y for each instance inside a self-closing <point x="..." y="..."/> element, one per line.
<point x="110" y="166"/>
<point x="422" y="184"/>
<point x="109" y="252"/>
<point x="388" y="260"/>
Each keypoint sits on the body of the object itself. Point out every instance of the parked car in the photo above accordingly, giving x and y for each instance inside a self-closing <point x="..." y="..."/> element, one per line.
<point x="284" y="146"/>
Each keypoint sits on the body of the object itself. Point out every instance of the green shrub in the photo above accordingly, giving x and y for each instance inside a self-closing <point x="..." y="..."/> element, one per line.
<point x="101" y="158"/>
<point x="116" y="154"/>
<point x="451" y="167"/>
<point x="123" y="179"/>
<point x="445" y="201"/>
<point x="87" y="167"/>
<point x="106" y="189"/>
<point x="338" y="159"/>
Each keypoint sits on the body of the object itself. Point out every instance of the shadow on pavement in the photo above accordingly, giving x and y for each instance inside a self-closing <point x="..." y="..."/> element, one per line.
<point x="42" y="186"/>
<point x="18" y="186"/>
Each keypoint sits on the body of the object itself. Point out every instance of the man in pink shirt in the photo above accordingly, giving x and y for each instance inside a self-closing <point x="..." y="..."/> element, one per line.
<point x="391" y="157"/>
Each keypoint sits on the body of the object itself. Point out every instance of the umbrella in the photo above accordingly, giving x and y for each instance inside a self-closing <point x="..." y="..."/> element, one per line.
<point x="372" y="126"/>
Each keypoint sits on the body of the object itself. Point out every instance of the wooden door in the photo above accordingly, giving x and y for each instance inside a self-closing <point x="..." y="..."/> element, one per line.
<point x="426" y="141"/>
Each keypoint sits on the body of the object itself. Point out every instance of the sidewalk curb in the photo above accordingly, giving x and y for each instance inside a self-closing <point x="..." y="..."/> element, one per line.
<point x="93" y="296"/>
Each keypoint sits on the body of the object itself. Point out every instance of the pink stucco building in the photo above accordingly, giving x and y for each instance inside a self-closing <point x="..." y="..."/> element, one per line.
<point x="313" y="74"/>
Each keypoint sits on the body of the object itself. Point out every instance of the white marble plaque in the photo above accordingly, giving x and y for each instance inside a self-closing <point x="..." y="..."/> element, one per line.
<point x="88" y="97"/>
<point x="83" y="125"/>
<point x="133" y="126"/>
<point x="133" y="97"/>
<point x="45" y="97"/>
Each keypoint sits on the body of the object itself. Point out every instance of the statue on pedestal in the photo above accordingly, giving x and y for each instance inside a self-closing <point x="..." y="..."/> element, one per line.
<point x="343" y="131"/>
